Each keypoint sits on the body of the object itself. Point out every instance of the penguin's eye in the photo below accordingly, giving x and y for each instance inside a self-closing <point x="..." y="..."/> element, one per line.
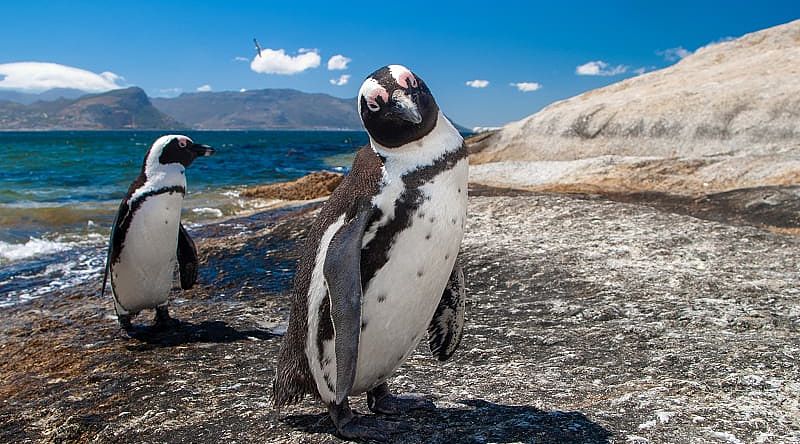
<point x="182" y="143"/>
<point x="373" y="106"/>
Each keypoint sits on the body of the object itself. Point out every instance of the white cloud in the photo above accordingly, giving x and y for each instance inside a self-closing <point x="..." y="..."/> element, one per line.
<point x="643" y="69"/>
<point x="342" y="80"/>
<point x="527" y="86"/>
<point x="168" y="92"/>
<point x="242" y="90"/>
<point x="204" y="88"/>
<point x="600" y="68"/>
<point x="338" y="62"/>
<point x="305" y="50"/>
<point x="674" y="54"/>
<point x="111" y="77"/>
<point x="240" y="59"/>
<point x="478" y="83"/>
<point x="716" y="42"/>
<point x="39" y="76"/>
<point x="276" y="61"/>
<point x="722" y="40"/>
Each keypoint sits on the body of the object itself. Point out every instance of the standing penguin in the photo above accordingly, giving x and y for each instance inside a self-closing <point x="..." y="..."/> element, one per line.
<point x="379" y="267"/>
<point x="147" y="237"/>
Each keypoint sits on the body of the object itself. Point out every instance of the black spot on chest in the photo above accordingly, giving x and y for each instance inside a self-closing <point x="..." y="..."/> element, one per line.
<point x="375" y="255"/>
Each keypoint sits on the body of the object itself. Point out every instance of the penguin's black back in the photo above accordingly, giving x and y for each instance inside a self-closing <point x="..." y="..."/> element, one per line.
<point x="293" y="377"/>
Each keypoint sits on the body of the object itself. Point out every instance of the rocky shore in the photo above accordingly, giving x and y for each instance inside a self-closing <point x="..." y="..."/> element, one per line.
<point x="590" y="320"/>
<point x="312" y="186"/>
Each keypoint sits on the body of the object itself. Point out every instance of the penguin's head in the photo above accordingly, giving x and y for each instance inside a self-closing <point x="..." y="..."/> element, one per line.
<point x="396" y="106"/>
<point x="176" y="149"/>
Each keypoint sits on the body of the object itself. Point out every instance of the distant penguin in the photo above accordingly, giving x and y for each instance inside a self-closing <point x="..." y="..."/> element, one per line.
<point x="379" y="267"/>
<point x="147" y="238"/>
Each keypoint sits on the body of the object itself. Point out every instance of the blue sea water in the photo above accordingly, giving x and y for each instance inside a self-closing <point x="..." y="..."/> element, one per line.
<point x="59" y="191"/>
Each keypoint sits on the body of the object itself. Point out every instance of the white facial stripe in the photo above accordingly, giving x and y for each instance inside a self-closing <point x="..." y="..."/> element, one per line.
<point x="370" y="91"/>
<point x="403" y="76"/>
<point x="160" y="144"/>
<point x="159" y="175"/>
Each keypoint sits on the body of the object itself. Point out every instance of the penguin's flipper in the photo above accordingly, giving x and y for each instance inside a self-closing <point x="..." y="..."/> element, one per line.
<point x="447" y="326"/>
<point x="187" y="258"/>
<point x="115" y="241"/>
<point x="342" y="272"/>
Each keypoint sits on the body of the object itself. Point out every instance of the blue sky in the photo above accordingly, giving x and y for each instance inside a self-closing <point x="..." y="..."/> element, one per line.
<point x="170" y="46"/>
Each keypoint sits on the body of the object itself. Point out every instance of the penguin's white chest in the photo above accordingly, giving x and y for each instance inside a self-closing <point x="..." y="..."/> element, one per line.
<point x="400" y="300"/>
<point x="143" y="276"/>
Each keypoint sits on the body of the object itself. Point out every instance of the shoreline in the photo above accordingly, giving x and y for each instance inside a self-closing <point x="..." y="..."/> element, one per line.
<point x="778" y="212"/>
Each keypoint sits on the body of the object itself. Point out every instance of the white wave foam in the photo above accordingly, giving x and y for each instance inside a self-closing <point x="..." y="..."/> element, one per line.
<point x="210" y="211"/>
<point x="33" y="247"/>
<point x="84" y="267"/>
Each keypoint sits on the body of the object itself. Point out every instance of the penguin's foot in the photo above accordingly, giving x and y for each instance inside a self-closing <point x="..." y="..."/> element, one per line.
<point x="380" y="400"/>
<point x="163" y="320"/>
<point x="351" y="426"/>
<point x="125" y="322"/>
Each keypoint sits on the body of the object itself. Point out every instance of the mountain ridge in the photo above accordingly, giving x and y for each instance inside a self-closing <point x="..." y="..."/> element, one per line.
<point x="127" y="108"/>
<point x="260" y="109"/>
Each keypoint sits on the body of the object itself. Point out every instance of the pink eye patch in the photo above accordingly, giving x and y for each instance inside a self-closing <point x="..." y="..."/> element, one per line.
<point x="373" y="94"/>
<point x="405" y="78"/>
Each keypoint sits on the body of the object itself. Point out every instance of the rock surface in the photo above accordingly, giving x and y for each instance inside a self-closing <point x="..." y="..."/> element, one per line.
<point x="310" y="186"/>
<point x="590" y="321"/>
<point x="725" y="117"/>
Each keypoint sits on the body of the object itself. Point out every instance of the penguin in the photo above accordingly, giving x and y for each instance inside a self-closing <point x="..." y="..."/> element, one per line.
<point x="147" y="238"/>
<point x="379" y="268"/>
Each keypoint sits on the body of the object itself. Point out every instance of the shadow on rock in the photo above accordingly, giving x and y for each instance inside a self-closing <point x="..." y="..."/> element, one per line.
<point x="187" y="333"/>
<point x="479" y="421"/>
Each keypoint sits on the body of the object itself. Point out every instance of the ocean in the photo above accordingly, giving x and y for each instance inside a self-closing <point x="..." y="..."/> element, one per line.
<point x="59" y="192"/>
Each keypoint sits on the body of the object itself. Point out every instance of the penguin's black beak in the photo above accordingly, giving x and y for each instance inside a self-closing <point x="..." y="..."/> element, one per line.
<point x="201" y="150"/>
<point x="406" y="109"/>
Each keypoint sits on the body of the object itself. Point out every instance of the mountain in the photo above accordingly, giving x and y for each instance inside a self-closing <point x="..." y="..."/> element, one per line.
<point x="131" y="108"/>
<point x="725" y="117"/>
<point x="51" y="94"/>
<point x="264" y="109"/>
<point x="119" y="109"/>
<point x="261" y="109"/>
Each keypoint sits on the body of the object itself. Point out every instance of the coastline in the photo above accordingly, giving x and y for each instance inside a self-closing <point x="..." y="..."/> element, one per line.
<point x="594" y="321"/>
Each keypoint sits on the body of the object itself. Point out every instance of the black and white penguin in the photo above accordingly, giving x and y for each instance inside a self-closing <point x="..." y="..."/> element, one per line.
<point x="147" y="238"/>
<point x="379" y="268"/>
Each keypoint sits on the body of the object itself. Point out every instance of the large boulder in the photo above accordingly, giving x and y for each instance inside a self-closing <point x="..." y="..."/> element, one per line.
<point x="725" y="117"/>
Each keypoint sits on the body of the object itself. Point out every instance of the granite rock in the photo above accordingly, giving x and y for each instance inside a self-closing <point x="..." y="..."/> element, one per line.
<point x="589" y="321"/>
